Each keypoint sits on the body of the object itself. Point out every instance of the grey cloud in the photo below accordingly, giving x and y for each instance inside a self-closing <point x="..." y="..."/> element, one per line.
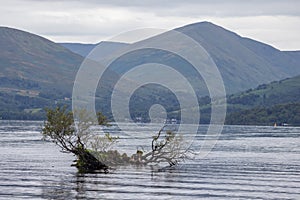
<point x="198" y="7"/>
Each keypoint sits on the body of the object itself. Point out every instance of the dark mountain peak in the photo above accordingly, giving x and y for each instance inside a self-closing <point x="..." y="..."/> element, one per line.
<point x="241" y="57"/>
<point x="201" y="24"/>
<point x="206" y="28"/>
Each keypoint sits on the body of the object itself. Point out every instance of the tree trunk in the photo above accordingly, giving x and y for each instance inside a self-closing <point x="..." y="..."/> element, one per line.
<point x="87" y="162"/>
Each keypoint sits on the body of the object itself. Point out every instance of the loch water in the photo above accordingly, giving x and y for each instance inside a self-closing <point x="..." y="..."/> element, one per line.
<point x="248" y="162"/>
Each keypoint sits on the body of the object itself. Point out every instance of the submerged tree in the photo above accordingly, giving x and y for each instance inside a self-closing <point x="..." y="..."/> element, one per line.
<point x="94" y="152"/>
<point x="168" y="148"/>
<point x="60" y="129"/>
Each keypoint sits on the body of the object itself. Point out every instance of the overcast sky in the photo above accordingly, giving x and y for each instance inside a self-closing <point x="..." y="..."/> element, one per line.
<point x="276" y="22"/>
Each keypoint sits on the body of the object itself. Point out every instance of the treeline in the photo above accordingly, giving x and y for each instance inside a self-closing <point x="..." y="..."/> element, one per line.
<point x="20" y="83"/>
<point x="22" y="115"/>
<point x="18" y="102"/>
<point x="283" y="114"/>
<point x="21" y="107"/>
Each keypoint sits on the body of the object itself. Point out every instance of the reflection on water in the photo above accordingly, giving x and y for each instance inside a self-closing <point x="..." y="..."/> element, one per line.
<point x="247" y="163"/>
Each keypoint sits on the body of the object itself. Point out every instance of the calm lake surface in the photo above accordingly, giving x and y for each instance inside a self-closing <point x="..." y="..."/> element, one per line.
<point x="248" y="162"/>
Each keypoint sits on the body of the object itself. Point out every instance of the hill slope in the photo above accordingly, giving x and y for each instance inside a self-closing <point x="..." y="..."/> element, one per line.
<point x="277" y="102"/>
<point x="29" y="57"/>
<point x="280" y="114"/>
<point x="277" y="92"/>
<point x="34" y="71"/>
<point x="244" y="63"/>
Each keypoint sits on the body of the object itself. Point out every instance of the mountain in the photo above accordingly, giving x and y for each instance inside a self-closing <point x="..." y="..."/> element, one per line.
<point x="28" y="57"/>
<point x="34" y="71"/>
<point x="243" y="63"/>
<point x="37" y="73"/>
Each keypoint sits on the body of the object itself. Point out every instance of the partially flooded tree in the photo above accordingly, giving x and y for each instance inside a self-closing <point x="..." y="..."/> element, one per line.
<point x="94" y="152"/>
<point x="60" y="129"/>
<point x="167" y="147"/>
